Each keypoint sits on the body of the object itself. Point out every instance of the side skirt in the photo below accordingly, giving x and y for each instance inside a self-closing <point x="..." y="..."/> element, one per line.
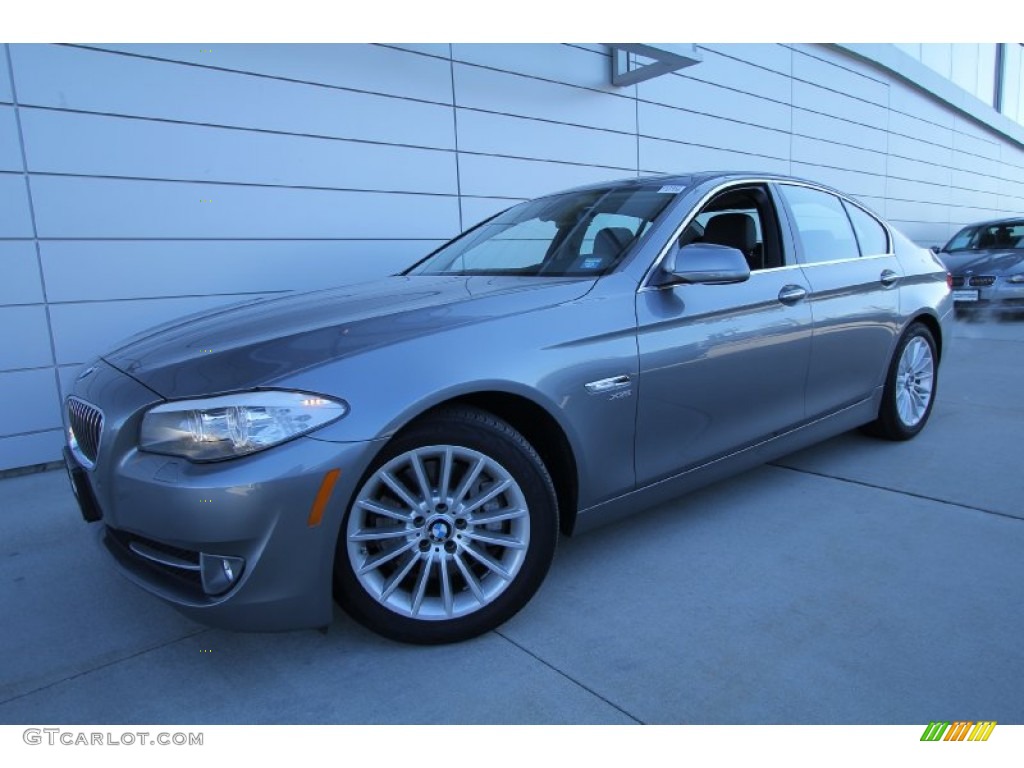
<point x="609" y="511"/>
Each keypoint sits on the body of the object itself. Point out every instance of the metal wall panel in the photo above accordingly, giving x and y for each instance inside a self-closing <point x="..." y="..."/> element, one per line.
<point x="29" y="401"/>
<point x="60" y="77"/>
<point x="10" y="146"/>
<point x="486" y="133"/>
<point x="559" y="63"/>
<point x="763" y="55"/>
<point x="852" y="183"/>
<point x="104" y="270"/>
<point x="828" y="102"/>
<point x="902" y="168"/>
<point x="662" y="122"/>
<point x="505" y="93"/>
<point x="917" y="210"/>
<point x="659" y="156"/>
<point x="116" y="208"/>
<point x="29" y="345"/>
<point x="680" y="91"/>
<point x="5" y="77"/>
<point x="97" y="145"/>
<point x="363" y="67"/>
<point x="973" y="140"/>
<point x="743" y="77"/>
<point x="976" y="181"/>
<point x="430" y="49"/>
<point x="972" y="198"/>
<point x="910" y="190"/>
<point x="821" y="67"/>
<point x="917" y="129"/>
<point x="26" y="450"/>
<point x="484" y="175"/>
<point x="15" y="220"/>
<point x="827" y="153"/>
<point x="20" y="270"/>
<point x="815" y="125"/>
<point x="984" y="166"/>
<point x="916" y="149"/>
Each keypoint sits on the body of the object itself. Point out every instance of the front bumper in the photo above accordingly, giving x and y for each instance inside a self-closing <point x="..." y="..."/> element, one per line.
<point x="1001" y="295"/>
<point x="169" y="523"/>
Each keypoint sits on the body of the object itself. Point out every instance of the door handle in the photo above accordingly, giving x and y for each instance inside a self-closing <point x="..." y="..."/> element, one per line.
<point x="791" y="294"/>
<point x="888" y="278"/>
<point x="605" y="385"/>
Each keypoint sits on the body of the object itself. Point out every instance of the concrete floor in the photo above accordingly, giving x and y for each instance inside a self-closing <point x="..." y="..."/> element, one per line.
<point x="855" y="582"/>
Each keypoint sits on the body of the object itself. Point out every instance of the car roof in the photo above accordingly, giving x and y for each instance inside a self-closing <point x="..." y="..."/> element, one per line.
<point x="990" y="222"/>
<point x="693" y="179"/>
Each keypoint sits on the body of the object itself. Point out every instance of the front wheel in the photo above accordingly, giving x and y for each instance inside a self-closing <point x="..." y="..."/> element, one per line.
<point x="910" y="387"/>
<point x="450" y="533"/>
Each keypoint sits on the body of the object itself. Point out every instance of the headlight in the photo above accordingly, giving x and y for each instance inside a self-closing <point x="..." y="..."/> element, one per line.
<point x="1019" y="278"/>
<point x="234" y="425"/>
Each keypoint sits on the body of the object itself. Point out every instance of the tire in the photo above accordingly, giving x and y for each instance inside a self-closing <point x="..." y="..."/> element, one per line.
<point x="910" y="387"/>
<point x="457" y="564"/>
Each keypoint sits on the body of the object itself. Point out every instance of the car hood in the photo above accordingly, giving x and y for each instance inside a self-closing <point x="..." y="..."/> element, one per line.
<point x="253" y="344"/>
<point x="997" y="261"/>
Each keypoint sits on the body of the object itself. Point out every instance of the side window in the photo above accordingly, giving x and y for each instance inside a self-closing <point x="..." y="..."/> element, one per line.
<point x="822" y="223"/>
<point x="871" y="235"/>
<point x="742" y="218"/>
<point x="752" y="212"/>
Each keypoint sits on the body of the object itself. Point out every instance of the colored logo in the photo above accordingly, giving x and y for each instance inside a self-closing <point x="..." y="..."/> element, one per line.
<point x="961" y="730"/>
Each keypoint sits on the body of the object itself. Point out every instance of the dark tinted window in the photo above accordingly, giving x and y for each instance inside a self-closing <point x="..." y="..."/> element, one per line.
<point x="871" y="235"/>
<point x="822" y="224"/>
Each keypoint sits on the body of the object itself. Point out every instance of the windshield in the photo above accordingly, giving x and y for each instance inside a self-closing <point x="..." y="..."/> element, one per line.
<point x="578" y="233"/>
<point x="1006" y="234"/>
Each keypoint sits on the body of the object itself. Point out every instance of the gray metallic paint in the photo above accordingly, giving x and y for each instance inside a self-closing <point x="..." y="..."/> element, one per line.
<point x="722" y="377"/>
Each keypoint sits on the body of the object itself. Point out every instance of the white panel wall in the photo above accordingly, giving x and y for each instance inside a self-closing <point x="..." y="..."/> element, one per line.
<point x="142" y="182"/>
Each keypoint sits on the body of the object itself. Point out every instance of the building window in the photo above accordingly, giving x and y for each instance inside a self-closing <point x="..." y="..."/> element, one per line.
<point x="972" y="66"/>
<point x="1013" y="82"/>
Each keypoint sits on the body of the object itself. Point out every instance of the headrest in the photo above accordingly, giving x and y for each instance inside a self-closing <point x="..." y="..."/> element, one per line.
<point x="610" y="242"/>
<point x="736" y="230"/>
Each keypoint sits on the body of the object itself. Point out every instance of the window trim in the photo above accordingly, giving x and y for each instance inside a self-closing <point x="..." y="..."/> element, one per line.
<point x="647" y="281"/>
<point x="847" y="204"/>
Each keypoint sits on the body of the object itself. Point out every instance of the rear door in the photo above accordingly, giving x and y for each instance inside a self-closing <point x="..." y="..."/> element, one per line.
<point x="847" y="256"/>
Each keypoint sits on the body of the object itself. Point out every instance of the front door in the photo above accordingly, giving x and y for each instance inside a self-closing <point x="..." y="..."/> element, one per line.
<point x="722" y="367"/>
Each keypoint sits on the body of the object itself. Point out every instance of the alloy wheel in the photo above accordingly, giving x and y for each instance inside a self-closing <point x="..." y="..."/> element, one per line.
<point x="438" y="532"/>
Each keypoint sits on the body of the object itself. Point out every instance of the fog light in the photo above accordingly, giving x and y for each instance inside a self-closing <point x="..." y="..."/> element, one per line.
<point x="219" y="573"/>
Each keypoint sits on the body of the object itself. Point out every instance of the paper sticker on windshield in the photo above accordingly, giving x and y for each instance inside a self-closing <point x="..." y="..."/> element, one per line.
<point x="592" y="263"/>
<point x="671" y="189"/>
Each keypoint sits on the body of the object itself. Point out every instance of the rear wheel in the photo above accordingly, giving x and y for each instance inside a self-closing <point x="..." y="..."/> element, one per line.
<point x="450" y="533"/>
<point x="910" y="387"/>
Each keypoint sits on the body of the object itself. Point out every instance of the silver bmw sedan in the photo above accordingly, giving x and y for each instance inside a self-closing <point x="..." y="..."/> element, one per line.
<point x="414" y="447"/>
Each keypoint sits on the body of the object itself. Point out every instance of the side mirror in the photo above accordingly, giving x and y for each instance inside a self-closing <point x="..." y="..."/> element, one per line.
<point x="704" y="263"/>
<point x="936" y="250"/>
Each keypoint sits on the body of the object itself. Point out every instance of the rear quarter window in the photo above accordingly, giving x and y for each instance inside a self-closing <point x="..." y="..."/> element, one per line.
<point x="871" y="235"/>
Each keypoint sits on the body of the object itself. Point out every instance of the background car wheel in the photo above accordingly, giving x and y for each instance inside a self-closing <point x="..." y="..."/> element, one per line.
<point x="451" y="530"/>
<point x="910" y="387"/>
